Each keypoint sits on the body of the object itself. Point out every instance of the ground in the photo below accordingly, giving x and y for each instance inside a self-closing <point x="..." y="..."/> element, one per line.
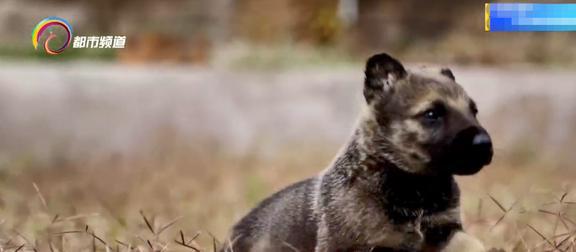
<point x="96" y="155"/>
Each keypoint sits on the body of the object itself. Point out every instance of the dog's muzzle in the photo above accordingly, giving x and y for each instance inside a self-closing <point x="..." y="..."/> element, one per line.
<point x="470" y="150"/>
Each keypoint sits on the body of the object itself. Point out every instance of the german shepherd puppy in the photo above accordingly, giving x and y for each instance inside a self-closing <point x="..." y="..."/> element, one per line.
<point x="391" y="187"/>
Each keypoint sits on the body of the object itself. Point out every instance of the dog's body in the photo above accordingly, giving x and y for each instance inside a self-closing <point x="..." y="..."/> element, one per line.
<point x="391" y="188"/>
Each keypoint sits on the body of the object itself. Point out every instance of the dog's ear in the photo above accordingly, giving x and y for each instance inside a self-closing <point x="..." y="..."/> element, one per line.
<point x="382" y="71"/>
<point x="448" y="73"/>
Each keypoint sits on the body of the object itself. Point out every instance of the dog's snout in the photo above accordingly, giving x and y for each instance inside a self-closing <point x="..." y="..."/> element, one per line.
<point x="472" y="138"/>
<point x="473" y="147"/>
<point x="482" y="146"/>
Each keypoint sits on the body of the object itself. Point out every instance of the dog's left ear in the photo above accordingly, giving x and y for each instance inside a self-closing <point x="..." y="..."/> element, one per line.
<point x="382" y="71"/>
<point x="448" y="73"/>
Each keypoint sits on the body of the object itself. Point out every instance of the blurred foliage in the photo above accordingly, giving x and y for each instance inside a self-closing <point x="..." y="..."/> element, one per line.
<point x="27" y="52"/>
<point x="439" y="30"/>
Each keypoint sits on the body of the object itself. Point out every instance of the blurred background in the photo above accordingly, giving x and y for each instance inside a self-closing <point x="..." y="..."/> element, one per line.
<point x="214" y="105"/>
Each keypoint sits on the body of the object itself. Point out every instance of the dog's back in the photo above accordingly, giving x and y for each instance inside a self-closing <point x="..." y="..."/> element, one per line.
<point x="272" y="224"/>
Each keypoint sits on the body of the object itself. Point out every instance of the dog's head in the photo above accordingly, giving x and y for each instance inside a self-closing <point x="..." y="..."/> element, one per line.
<point x="422" y="121"/>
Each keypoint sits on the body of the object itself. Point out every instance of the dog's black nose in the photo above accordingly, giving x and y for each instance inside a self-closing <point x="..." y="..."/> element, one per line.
<point x="482" y="139"/>
<point x="481" y="148"/>
<point x="473" y="150"/>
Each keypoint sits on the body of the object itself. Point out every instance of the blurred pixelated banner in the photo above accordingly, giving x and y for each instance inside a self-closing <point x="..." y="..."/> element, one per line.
<point x="511" y="17"/>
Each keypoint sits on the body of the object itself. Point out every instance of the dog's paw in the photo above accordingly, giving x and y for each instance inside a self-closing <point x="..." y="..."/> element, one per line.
<point x="461" y="241"/>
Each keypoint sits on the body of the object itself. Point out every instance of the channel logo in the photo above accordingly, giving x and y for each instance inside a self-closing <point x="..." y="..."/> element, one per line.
<point x="56" y="27"/>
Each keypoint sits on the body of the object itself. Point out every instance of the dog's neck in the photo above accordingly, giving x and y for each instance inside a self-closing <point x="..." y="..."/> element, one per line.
<point x="376" y="174"/>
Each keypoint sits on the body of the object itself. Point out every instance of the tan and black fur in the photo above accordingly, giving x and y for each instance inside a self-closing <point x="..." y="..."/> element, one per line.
<point x="392" y="187"/>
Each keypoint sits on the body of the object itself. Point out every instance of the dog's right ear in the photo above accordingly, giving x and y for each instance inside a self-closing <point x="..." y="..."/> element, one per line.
<point x="382" y="71"/>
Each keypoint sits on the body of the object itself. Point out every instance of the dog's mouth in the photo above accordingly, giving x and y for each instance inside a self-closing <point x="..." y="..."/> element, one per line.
<point x="470" y="165"/>
<point x="466" y="161"/>
<point x="463" y="161"/>
<point x="468" y="152"/>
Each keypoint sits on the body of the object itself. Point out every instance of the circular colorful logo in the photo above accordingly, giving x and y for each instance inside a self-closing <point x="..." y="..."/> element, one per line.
<point x="52" y="22"/>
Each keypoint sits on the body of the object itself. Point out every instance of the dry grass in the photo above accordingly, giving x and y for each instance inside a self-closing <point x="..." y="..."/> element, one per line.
<point x="170" y="196"/>
<point x="531" y="208"/>
<point x="175" y="195"/>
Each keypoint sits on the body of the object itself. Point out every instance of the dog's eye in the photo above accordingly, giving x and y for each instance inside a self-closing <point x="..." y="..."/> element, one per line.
<point x="434" y="114"/>
<point x="431" y="114"/>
